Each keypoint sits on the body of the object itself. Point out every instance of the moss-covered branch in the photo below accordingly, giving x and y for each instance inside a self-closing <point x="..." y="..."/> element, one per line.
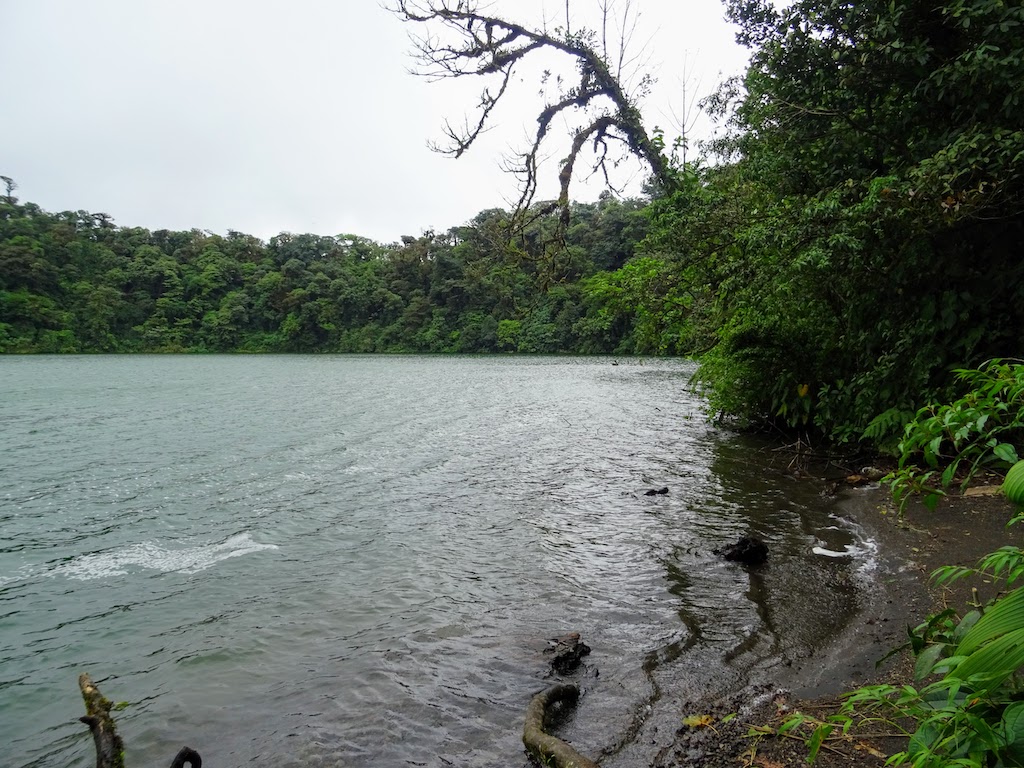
<point x="109" y="746"/>
<point x="547" y="749"/>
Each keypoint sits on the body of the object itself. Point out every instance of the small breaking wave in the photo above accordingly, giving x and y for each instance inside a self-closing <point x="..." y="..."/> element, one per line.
<point x="863" y="549"/>
<point x="848" y="551"/>
<point x="157" y="558"/>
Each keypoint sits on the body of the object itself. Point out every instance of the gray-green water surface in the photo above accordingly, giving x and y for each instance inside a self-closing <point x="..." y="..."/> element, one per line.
<point x="355" y="561"/>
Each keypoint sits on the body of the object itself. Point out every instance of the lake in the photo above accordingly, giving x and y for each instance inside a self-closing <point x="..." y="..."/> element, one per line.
<point x="358" y="560"/>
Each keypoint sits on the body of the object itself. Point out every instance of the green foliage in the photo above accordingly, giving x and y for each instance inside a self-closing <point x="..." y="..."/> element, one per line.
<point x="982" y="429"/>
<point x="965" y="708"/>
<point x="1013" y="485"/>
<point x="639" y="309"/>
<point x="860" y="234"/>
<point x="74" y="282"/>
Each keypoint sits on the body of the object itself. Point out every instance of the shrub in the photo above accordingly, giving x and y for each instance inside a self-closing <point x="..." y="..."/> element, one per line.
<point x="982" y="429"/>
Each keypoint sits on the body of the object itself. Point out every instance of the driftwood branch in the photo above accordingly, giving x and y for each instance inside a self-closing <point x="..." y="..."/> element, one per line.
<point x="109" y="747"/>
<point x="547" y="749"/>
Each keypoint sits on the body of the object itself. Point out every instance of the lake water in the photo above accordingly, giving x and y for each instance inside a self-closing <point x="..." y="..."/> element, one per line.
<point x="356" y="561"/>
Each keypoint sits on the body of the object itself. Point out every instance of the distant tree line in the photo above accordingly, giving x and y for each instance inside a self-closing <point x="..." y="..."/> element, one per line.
<point x="74" y="282"/>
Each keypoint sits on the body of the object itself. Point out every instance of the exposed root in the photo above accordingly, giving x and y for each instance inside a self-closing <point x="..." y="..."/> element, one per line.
<point x="547" y="749"/>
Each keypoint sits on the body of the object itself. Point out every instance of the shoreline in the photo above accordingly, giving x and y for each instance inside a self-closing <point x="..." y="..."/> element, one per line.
<point x="960" y="531"/>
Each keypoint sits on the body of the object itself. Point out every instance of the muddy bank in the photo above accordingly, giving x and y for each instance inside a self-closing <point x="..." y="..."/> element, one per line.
<point x="959" y="532"/>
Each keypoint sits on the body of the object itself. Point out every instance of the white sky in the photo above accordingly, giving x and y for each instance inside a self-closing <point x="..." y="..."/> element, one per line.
<point x="287" y="115"/>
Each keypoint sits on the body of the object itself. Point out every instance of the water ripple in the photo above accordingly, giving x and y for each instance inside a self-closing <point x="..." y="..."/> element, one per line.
<point x="312" y="561"/>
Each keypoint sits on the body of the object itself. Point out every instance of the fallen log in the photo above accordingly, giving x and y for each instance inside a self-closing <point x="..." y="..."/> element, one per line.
<point x="109" y="747"/>
<point x="544" y="748"/>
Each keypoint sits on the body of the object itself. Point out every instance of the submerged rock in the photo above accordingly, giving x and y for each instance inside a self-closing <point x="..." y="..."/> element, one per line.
<point x="567" y="651"/>
<point x="659" y="492"/>
<point x="748" y="550"/>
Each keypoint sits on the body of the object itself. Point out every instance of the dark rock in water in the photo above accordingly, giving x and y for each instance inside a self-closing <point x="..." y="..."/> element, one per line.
<point x="659" y="492"/>
<point x="830" y="490"/>
<point x="567" y="652"/>
<point x="187" y="755"/>
<point x="748" y="550"/>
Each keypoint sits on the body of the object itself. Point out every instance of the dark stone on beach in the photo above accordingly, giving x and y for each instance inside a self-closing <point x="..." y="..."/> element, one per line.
<point x="567" y="652"/>
<point x="748" y="551"/>
<point x="659" y="492"/>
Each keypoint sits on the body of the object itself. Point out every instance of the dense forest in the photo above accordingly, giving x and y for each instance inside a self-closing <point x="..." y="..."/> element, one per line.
<point x="74" y="282"/>
<point x="852" y="238"/>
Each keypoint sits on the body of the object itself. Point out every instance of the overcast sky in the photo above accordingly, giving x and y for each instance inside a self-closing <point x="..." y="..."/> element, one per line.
<point x="293" y="115"/>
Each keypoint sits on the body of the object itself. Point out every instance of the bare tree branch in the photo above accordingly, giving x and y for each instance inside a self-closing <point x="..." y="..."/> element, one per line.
<point x="464" y="41"/>
<point x="461" y="140"/>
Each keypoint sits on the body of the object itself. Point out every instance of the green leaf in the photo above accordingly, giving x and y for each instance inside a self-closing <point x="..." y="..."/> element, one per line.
<point x="821" y="733"/>
<point x="1013" y="723"/>
<point x="1005" y="615"/>
<point x="1013" y="485"/>
<point x="994" y="662"/>
<point x="1006" y="452"/>
<point x="949" y="472"/>
<point x="926" y="661"/>
<point x="966" y="624"/>
<point x="791" y="722"/>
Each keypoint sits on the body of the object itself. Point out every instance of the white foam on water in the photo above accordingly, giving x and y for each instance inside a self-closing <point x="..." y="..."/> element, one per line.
<point x="864" y="549"/>
<point x="848" y="551"/>
<point x="155" y="557"/>
<point x="358" y="469"/>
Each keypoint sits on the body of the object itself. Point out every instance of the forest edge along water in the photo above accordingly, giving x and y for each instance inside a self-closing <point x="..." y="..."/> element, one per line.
<point x="320" y="560"/>
<point x="385" y="564"/>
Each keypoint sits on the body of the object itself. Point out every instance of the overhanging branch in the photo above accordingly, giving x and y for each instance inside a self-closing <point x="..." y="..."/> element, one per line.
<point x="465" y="41"/>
